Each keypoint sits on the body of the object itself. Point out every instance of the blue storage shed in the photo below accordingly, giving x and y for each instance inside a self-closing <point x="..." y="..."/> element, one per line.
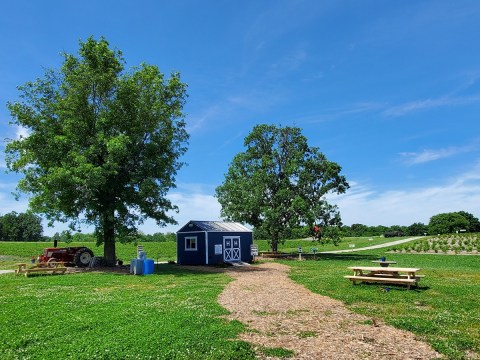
<point x="213" y="242"/>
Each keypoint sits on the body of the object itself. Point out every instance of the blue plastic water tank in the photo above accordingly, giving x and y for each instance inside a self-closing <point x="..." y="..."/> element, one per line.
<point x="148" y="266"/>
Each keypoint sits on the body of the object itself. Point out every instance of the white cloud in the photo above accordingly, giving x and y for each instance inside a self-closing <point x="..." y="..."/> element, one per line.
<point x="8" y="202"/>
<point x="361" y="204"/>
<point x="365" y="205"/>
<point x="21" y="132"/>
<point x="193" y="205"/>
<point x="413" y="158"/>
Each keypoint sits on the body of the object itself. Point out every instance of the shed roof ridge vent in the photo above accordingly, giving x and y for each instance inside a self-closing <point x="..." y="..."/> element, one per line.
<point x="215" y="225"/>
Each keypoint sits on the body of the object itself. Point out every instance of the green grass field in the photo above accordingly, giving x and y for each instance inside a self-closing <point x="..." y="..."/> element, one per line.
<point x="174" y="314"/>
<point x="14" y="252"/>
<point x="444" y="311"/>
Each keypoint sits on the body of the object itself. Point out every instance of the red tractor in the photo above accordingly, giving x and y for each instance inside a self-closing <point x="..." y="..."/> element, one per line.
<point x="79" y="256"/>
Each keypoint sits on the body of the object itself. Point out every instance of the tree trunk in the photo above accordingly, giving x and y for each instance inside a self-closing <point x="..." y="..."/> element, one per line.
<point x="274" y="243"/>
<point x="109" y="238"/>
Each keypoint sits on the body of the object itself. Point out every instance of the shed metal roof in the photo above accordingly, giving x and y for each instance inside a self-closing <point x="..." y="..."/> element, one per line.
<point x="218" y="226"/>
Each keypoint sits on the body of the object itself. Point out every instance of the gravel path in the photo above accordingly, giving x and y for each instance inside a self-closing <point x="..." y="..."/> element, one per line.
<point x="281" y="313"/>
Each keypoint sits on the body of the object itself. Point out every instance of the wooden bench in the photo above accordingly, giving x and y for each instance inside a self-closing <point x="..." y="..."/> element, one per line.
<point x="57" y="270"/>
<point x="387" y="280"/>
<point x="52" y="267"/>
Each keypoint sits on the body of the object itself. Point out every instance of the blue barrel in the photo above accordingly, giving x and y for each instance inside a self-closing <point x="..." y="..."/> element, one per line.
<point x="148" y="267"/>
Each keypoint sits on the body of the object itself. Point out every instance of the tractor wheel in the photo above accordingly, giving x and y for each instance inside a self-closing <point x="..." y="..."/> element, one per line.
<point x="83" y="257"/>
<point x="50" y="261"/>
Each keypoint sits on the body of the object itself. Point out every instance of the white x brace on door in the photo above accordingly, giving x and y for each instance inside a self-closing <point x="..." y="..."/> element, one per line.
<point x="231" y="246"/>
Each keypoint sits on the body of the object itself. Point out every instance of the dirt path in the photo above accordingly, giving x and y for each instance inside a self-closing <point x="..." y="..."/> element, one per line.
<point x="281" y="313"/>
<point x="379" y="246"/>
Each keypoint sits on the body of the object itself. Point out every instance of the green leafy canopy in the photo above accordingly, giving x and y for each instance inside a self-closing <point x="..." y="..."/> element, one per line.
<point x="103" y="144"/>
<point x="279" y="183"/>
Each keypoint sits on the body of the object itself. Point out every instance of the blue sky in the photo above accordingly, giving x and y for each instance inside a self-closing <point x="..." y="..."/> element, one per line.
<point x="390" y="90"/>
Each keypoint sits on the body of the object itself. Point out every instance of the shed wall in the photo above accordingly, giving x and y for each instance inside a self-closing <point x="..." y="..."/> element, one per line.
<point x="202" y="254"/>
<point x="191" y="257"/>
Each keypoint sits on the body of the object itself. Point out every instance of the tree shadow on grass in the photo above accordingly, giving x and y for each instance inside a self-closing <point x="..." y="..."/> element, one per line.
<point x="390" y="287"/>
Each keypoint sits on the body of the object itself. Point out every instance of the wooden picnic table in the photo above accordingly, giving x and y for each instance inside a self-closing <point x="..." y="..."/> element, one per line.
<point x="54" y="267"/>
<point x="390" y="275"/>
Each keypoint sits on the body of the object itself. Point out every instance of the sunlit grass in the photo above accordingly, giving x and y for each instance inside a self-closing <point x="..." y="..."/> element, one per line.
<point x="172" y="314"/>
<point x="444" y="310"/>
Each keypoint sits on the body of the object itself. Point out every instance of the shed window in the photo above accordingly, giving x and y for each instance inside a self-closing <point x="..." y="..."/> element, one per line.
<point x="191" y="243"/>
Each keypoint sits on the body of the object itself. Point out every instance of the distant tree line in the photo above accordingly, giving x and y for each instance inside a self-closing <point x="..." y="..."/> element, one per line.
<point x="445" y="223"/>
<point x="21" y="227"/>
<point x="358" y="230"/>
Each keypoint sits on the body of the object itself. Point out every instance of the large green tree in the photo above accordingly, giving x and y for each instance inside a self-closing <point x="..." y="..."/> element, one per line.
<point x="417" y="229"/>
<point x="473" y="222"/>
<point x="103" y="144"/>
<point x="447" y="223"/>
<point x="279" y="183"/>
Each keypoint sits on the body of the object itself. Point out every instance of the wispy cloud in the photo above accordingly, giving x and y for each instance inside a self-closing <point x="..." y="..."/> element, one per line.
<point x="259" y="99"/>
<point x="288" y="63"/>
<point x="197" y="122"/>
<point x="365" y="205"/>
<point x="428" y="155"/>
<point x="413" y="106"/>
<point x="336" y="113"/>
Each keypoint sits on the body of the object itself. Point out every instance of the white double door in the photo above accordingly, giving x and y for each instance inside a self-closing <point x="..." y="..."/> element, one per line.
<point x="231" y="246"/>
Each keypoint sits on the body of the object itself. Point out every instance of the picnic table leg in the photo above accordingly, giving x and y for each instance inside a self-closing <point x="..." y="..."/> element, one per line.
<point x="20" y="269"/>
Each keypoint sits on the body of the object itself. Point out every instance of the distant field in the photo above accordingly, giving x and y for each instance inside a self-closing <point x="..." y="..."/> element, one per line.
<point x="444" y="244"/>
<point x="14" y="252"/>
<point x="291" y="246"/>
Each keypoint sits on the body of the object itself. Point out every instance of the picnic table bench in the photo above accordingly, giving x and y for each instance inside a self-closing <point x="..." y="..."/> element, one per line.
<point x="389" y="275"/>
<point x="54" y="267"/>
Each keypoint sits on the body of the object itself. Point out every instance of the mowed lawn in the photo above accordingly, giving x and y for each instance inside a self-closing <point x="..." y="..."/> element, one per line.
<point x="444" y="311"/>
<point x="172" y="314"/>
